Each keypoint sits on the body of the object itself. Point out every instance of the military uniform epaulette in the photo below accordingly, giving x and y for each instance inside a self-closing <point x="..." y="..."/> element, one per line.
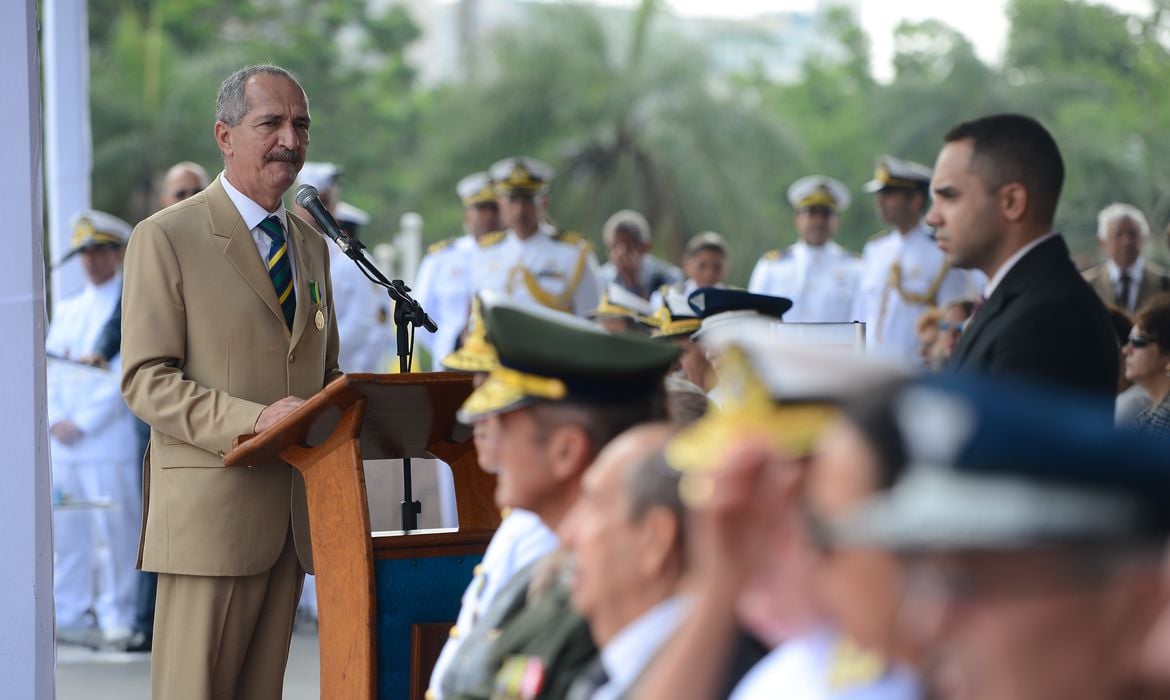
<point x="777" y="254"/>
<point x="442" y="245"/>
<point x="572" y="237"/>
<point x="851" y="666"/>
<point x="490" y="239"/>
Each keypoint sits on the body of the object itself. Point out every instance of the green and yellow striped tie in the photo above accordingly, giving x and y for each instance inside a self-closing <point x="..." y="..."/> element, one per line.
<point x="279" y="268"/>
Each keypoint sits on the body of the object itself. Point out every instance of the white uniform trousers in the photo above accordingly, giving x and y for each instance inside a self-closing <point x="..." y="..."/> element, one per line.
<point x="96" y="548"/>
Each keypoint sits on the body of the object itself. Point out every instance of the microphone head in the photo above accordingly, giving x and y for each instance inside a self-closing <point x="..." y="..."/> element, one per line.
<point x="305" y="194"/>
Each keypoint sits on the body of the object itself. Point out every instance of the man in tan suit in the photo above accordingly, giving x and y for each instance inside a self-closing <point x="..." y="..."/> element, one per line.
<point x="227" y="327"/>
<point x="1125" y="280"/>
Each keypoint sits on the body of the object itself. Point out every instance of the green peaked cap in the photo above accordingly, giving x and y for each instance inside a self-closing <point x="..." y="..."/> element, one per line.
<point x="547" y="355"/>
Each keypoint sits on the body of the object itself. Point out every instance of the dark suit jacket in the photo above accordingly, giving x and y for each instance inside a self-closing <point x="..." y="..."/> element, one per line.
<point x="1043" y="322"/>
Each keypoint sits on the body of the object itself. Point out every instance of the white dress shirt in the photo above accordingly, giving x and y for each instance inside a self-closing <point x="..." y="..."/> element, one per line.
<point x="630" y="651"/>
<point x="1135" y="272"/>
<point x="252" y="214"/>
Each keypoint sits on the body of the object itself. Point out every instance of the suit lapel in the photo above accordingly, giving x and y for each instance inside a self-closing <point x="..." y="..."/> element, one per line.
<point x="983" y="317"/>
<point x="240" y="248"/>
<point x="305" y="305"/>
<point x="1104" y="285"/>
<point x="1014" y="283"/>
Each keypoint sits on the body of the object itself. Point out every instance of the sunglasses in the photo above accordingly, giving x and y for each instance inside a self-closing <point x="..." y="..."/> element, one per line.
<point x="957" y="327"/>
<point x="183" y="194"/>
<point x="1137" y="342"/>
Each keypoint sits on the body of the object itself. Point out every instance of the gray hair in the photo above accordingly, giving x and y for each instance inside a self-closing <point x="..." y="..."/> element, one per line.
<point x="653" y="483"/>
<point x="626" y="221"/>
<point x="1118" y="211"/>
<point x="231" y="104"/>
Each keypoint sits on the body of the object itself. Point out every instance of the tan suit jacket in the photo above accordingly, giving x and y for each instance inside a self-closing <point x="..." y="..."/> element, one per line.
<point x="1154" y="281"/>
<point x="204" y="349"/>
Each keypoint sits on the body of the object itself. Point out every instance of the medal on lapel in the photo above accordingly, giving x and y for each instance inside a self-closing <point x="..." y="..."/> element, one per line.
<point x="315" y="295"/>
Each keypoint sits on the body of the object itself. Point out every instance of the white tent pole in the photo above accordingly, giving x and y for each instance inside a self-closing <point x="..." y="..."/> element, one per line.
<point x="26" y="538"/>
<point x="68" y="143"/>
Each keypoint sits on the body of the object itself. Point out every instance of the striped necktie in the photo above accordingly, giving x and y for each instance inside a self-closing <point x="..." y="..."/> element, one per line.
<point x="279" y="268"/>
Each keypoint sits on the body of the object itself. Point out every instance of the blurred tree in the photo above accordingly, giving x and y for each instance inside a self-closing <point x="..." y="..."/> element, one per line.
<point x="629" y="115"/>
<point x="156" y="67"/>
<point x="1096" y="77"/>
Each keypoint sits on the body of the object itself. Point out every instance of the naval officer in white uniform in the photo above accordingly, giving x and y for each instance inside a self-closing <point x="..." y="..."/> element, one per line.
<point x="93" y="446"/>
<point x="903" y="271"/>
<point x="819" y="276"/>
<point x="532" y="261"/>
<point x="444" y="283"/>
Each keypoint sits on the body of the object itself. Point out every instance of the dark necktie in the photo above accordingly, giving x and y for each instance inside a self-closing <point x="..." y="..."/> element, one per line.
<point x="589" y="682"/>
<point x="975" y="309"/>
<point x="279" y="268"/>
<point x="1123" y="293"/>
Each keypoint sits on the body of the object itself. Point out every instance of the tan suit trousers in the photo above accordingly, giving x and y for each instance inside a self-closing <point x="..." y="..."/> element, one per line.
<point x="225" y="637"/>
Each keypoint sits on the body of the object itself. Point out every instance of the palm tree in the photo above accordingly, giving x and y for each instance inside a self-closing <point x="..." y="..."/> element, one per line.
<point x="631" y="115"/>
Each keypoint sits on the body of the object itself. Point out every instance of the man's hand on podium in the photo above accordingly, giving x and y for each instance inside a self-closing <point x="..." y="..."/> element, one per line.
<point x="269" y="416"/>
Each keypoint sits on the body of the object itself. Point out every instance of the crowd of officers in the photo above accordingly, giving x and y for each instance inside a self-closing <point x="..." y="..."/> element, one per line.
<point x="510" y="246"/>
<point x="784" y="519"/>
<point x="696" y="506"/>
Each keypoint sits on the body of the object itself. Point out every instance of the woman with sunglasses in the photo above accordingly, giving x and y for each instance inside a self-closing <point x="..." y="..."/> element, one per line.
<point x="1147" y="362"/>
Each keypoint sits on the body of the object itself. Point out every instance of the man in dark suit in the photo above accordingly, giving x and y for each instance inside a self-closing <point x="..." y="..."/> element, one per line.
<point x="996" y="186"/>
<point x="1126" y="279"/>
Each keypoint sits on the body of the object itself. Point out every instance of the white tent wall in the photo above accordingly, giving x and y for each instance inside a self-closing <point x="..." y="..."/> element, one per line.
<point x="26" y="639"/>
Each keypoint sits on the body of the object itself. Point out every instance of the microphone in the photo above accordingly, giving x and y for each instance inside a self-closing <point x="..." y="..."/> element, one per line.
<point x="309" y="199"/>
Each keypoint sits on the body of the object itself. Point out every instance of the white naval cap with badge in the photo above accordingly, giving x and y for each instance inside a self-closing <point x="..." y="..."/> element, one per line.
<point x="476" y="189"/>
<point x="320" y="175"/>
<point x="819" y="191"/>
<point x="521" y="175"/>
<point x="1002" y="467"/>
<point x="896" y="174"/>
<point x="92" y="229"/>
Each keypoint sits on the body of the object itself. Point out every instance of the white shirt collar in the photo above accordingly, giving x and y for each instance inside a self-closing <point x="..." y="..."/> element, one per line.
<point x="111" y="287"/>
<point x="251" y="212"/>
<point x="1134" y="271"/>
<point x="545" y="227"/>
<point x="1011" y="262"/>
<point x="919" y="231"/>
<point x="631" y="649"/>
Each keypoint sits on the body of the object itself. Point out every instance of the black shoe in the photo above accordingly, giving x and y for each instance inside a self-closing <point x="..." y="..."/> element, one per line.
<point x="139" y="642"/>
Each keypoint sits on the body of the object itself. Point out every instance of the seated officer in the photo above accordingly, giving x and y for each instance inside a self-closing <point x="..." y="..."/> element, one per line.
<point x="621" y="311"/>
<point x="521" y="538"/>
<point x="562" y="390"/>
<point x="1034" y="535"/>
<point x="746" y="476"/>
<point x="717" y="307"/>
<point x="675" y="322"/>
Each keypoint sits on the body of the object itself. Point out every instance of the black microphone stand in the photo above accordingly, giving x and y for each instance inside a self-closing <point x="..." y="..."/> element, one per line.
<point x="408" y="315"/>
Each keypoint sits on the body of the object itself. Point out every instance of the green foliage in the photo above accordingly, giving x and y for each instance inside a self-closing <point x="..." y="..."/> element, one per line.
<point x="631" y="113"/>
<point x="156" y="67"/>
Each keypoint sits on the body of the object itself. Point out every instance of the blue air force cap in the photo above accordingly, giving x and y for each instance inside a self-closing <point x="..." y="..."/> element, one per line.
<point x="994" y="466"/>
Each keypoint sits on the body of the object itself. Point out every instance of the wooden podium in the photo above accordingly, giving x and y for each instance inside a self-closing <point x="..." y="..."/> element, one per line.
<point x="366" y="417"/>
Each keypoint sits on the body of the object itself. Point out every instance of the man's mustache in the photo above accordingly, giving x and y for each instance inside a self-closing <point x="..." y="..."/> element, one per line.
<point x="283" y="154"/>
